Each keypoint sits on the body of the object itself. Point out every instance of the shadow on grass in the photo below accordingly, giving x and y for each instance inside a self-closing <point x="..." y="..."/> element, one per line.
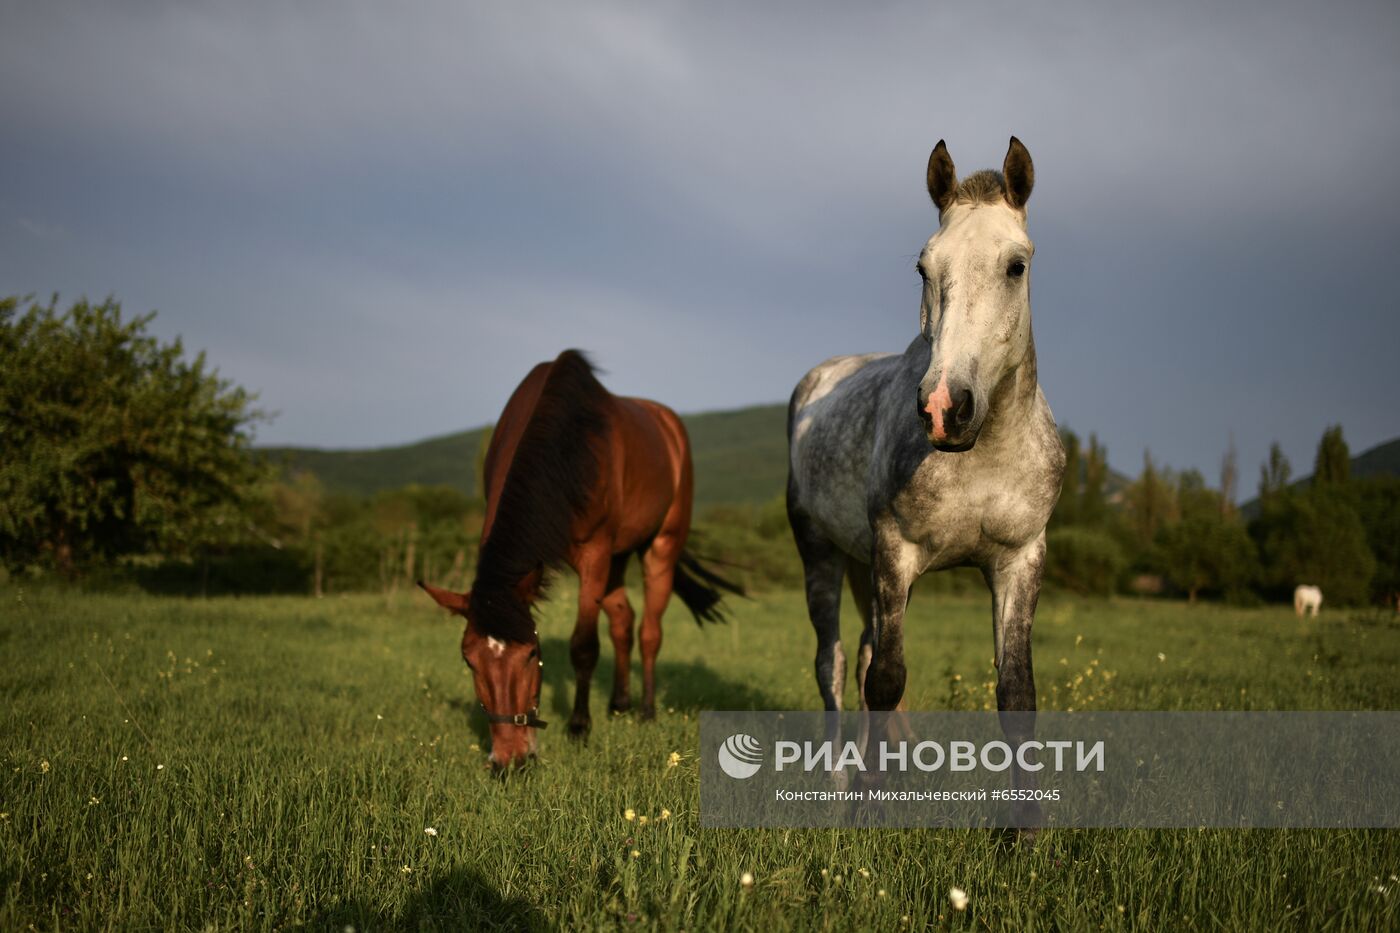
<point x="680" y="684"/>
<point x="694" y="685"/>
<point x="456" y="900"/>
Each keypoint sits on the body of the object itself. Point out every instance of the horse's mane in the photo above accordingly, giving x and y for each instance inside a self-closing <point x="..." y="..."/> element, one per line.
<point x="984" y="187"/>
<point x="549" y="481"/>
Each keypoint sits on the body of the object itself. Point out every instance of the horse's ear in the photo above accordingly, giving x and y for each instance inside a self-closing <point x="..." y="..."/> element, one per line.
<point x="1020" y="174"/>
<point x="456" y="602"/>
<point x="942" y="177"/>
<point x="529" y="586"/>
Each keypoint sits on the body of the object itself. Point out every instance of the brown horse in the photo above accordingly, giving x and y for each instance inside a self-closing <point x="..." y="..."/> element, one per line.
<point x="576" y="476"/>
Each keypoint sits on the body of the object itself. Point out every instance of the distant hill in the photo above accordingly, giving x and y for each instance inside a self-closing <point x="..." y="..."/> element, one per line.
<point x="1381" y="460"/>
<point x="740" y="457"/>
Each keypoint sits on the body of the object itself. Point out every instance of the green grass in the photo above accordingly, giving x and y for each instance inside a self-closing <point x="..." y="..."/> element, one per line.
<point x="270" y="763"/>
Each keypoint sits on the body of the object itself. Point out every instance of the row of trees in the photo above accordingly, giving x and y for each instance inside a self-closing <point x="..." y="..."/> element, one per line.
<point x="118" y="452"/>
<point x="1170" y="531"/>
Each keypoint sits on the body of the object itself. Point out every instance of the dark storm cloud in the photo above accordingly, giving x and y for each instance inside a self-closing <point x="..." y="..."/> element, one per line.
<point x="381" y="217"/>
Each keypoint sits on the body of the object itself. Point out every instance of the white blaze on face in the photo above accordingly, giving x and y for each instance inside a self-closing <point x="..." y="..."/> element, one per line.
<point x="497" y="647"/>
<point x="985" y="317"/>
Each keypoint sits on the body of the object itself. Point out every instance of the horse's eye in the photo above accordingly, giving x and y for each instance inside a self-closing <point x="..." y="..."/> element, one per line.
<point x="1016" y="269"/>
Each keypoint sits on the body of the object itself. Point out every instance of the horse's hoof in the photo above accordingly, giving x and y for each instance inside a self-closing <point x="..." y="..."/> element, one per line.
<point x="578" y="728"/>
<point x="623" y="705"/>
<point x="649" y="713"/>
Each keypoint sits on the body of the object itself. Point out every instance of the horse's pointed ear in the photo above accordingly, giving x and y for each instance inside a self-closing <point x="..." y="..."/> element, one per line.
<point x="942" y="177"/>
<point x="456" y="602"/>
<point x="1020" y="174"/>
<point x="529" y="586"/>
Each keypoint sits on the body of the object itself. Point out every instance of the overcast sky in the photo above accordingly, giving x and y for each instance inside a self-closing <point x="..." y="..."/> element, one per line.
<point x="379" y="216"/>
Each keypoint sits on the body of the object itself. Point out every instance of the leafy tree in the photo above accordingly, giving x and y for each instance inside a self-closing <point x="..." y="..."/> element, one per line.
<point x="1085" y="560"/>
<point x="1082" y="496"/>
<point x="1314" y="537"/>
<point x="1378" y="501"/>
<point x="114" y="443"/>
<point x="1207" y="549"/>
<point x="1333" y="465"/>
<point x="1093" y="506"/>
<point x="295" y="510"/>
<point x="1229" y="476"/>
<point x="1150" y="503"/>
<point x="1067" y="508"/>
<point x="1274" y="473"/>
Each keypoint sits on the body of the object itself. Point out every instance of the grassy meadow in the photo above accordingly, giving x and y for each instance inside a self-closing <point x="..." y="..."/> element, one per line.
<point x="286" y="762"/>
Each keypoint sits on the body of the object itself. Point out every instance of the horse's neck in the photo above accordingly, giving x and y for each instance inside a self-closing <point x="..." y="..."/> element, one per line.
<point x="1014" y="405"/>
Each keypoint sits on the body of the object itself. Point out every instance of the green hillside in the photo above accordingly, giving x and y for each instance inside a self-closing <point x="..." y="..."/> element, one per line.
<point x="1381" y="460"/>
<point x="740" y="456"/>
<point x="449" y="460"/>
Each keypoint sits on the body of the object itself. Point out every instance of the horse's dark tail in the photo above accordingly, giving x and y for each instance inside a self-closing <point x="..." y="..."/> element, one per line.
<point x="699" y="588"/>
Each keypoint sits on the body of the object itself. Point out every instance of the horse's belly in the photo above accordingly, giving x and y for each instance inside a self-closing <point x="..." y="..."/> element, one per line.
<point x="847" y="528"/>
<point x="834" y="495"/>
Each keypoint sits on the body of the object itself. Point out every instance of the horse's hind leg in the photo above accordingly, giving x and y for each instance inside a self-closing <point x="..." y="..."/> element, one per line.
<point x="659" y="566"/>
<point x="823" y="565"/>
<point x="620" y="617"/>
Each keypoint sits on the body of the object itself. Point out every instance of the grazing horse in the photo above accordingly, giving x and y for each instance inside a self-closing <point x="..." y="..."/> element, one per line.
<point x="945" y="455"/>
<point x="1307" y="599"/>
<point x="580" y="477"/>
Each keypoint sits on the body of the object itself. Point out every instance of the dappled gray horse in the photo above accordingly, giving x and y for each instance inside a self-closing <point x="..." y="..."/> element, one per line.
<point x="944" y="456"/>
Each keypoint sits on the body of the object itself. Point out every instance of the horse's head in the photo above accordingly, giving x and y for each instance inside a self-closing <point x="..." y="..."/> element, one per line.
<point x="507" y="674"/>
<point x="976" y="310"/>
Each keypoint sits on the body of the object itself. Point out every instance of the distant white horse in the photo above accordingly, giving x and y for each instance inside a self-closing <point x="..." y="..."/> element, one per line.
<point x="1307" y="599"/>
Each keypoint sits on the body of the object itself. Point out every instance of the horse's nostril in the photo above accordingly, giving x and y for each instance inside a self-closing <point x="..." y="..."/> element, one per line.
<point x="962" y="408"/>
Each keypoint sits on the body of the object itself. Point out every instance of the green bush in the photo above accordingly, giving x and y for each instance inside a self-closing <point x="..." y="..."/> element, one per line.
<point x="1084" y="560"/>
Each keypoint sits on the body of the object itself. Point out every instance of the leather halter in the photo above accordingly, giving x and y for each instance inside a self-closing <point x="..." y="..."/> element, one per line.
<point x="531" y="717"/>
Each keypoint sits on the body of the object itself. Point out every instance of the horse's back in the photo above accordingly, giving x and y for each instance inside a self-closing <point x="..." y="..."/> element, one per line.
<point x="651" y="467"/>
<point x="832" y="423"/>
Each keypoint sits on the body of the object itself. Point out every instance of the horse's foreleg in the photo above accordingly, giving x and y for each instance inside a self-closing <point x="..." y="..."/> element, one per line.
<point x="1015" y="583"/>
<point x="659" y="565"/>
<point x="894" y="567"/>
<point x="620" y="618"/>
<point x="583" y="646"/>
